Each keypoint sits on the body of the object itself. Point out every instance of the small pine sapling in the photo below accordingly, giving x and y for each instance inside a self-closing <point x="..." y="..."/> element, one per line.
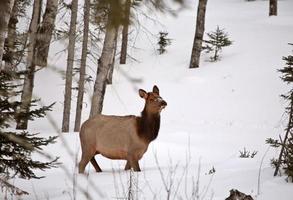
<point x="285" y="159"/>
<point x="247" y="154"/>
<point x="212" y="171"/>
<point x="217" y="40"/>
<point x="163" y="42"/>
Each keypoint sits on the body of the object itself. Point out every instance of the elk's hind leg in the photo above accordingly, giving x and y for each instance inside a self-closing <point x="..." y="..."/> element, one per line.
<point x="87" y="155"/>
<point x="85" y="158"/>
<point x="95" y="164"/>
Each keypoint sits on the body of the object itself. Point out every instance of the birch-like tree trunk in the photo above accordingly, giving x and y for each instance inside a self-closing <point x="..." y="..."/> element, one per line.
<point x="273" y="7"/>
<point x="111" y="70"/>
<point x="28" y="85"/>
<point x="44" y="33"/>
<point x="5" y="10"/>
<point x="70" y="62"/>
<point x="123" y="54"/>
<point x="198" y="38"/>
<point x="104" y="66"/>
<point x="82" y="70"/>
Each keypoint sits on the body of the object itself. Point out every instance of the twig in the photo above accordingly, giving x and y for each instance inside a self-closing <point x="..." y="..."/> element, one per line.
<point x="12" y="188"/>
<point x="197" y="181"/>
<point x="259" y="171"/>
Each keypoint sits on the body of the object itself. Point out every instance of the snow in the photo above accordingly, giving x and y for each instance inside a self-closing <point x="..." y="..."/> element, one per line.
<point x="213" y="112"/>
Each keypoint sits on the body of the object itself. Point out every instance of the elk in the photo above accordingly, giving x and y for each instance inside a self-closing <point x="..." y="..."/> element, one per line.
<point x="122" y="137"/>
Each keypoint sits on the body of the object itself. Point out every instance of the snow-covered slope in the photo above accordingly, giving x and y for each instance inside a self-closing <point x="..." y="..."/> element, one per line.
<point x="213" y="112"/>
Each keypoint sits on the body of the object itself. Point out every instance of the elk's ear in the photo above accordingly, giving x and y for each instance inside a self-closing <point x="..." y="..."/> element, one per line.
<point x="143" y="94"/>
<point x="156" y="89"/>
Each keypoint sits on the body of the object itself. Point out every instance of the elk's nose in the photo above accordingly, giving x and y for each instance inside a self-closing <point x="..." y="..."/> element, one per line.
<point x="164" y="103"/>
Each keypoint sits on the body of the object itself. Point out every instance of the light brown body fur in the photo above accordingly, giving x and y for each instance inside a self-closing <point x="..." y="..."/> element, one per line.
<point x="121" y="137"/>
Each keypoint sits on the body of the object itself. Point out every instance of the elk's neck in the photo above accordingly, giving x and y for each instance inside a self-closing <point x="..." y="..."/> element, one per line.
<point x="148" y="125"/>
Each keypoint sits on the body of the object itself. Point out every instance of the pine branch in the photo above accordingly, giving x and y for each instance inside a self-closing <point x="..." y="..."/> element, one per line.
<point x="16" y="150"/>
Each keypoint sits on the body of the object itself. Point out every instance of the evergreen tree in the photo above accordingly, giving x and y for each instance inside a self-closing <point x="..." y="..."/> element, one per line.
<point x="163" y="42"/>
<point x="217" y="40"/>
<point x="16" y="148"/>
<point x="285" y="159"/>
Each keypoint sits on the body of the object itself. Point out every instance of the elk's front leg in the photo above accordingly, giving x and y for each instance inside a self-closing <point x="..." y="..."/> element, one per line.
<point x="133" y="164"/>
<point x="127" y="166"/>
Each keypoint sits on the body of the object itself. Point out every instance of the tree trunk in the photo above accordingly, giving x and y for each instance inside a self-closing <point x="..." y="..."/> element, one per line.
<point x="123" y="53"/>
<point x="200" y="26"/>
<point x="11" y="36"/>
<point x="111" y="70"/>
<point x="28" y="85"/>
<point x="273" y="7"/>
<point x="86" y="19"/>
<point x="5" y="9"/>
<point x="70" y="61"/>
<point x="44" y="33"/>
<point x="104" y="66"/>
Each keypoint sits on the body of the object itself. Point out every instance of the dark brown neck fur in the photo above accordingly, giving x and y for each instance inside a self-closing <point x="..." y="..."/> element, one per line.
<point x="148" y="125"/>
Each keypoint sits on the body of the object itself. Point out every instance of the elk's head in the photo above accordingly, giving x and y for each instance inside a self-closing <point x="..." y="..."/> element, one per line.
<point x="153" y="102"/>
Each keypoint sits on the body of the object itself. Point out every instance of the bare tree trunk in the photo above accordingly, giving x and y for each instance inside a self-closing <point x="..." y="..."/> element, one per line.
<point x="28" y="85"/>
<point x="86" y="19"/>
<point x="273" y="7"/>
<point x="200" y="26"/>
<point x="111" y="70"/>
<point x="70" y="61"/>
<point x="123" y="54"/>
<point x="104" y="66"/>
<point x="5" y="9"/>
<point x="44" y="33"/>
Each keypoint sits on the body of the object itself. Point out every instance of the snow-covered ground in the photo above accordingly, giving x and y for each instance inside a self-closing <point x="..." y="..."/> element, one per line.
<point x="213" y="112"/>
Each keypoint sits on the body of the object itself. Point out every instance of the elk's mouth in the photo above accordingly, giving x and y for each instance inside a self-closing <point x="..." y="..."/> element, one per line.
<point x="163" y="107"/>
